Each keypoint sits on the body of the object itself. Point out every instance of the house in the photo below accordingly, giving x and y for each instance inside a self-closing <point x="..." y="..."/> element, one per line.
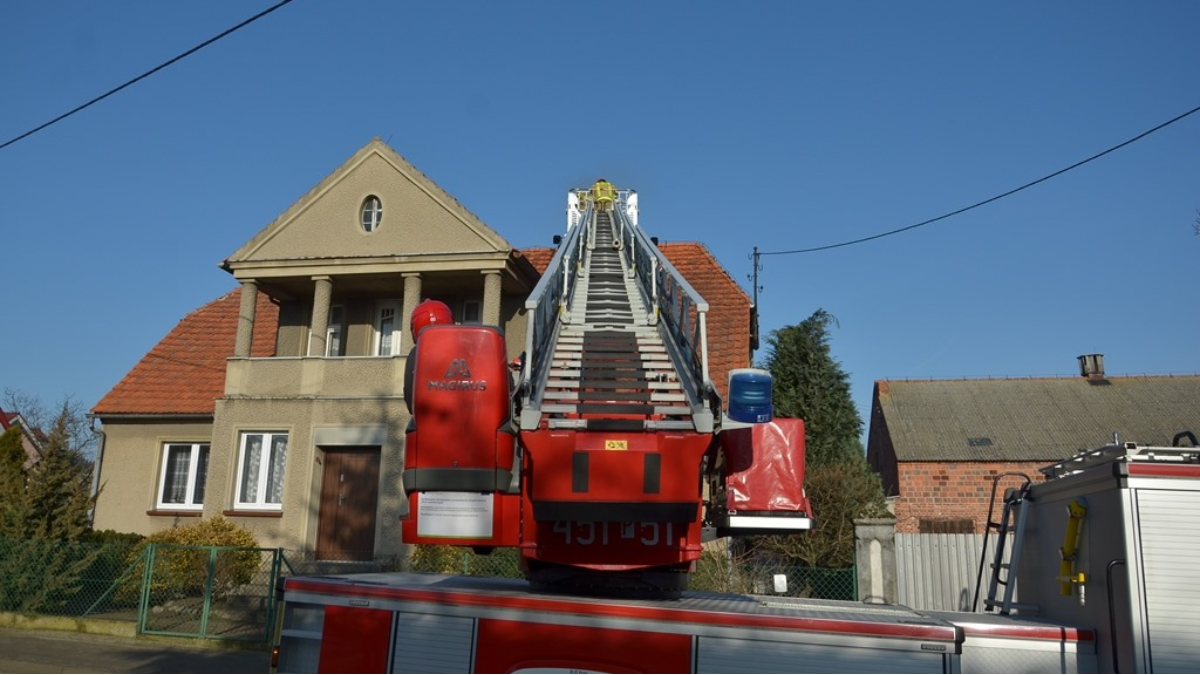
<point x="33" y="440"/>
<point x="280" y="404"/>
<point x="939" y="445"/>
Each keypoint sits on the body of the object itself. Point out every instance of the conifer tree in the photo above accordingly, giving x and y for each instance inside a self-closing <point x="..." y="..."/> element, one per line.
<point x="50" y="500"/>
<point x="808" y="383"/>
<point x="12" y="482"/>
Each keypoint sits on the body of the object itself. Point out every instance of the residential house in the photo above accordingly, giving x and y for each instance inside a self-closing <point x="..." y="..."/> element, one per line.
<point x="33" y="440"/>
<point x="280" y="405"/>
<point x="940" y="446"/>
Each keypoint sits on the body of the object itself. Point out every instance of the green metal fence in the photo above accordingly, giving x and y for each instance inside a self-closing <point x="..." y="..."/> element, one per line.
<point x="209" y="592"/>
<point x="212" y="592"/>
<point x="720" y="572"/>
<point x="225" y="593"/>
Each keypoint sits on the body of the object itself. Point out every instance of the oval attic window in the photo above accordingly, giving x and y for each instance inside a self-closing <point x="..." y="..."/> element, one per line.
<point x="372" y="213"/>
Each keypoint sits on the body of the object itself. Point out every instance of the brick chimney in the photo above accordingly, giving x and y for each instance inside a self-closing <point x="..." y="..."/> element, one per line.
<point x="1091" y="366"/>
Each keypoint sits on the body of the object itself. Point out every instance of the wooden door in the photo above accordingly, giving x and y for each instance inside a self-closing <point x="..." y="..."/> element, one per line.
<point x="349" y="500"/>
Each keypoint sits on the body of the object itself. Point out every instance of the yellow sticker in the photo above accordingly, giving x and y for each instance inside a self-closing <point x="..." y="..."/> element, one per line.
<point x="616" y="445"/>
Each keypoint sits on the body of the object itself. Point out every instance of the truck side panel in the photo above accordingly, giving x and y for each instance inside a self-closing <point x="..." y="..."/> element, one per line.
<point x="452" y="624"/>
<point x="432" y="643"/>
<point x="1169" y="547"/>
<point x="512" y="646"/>
<point x="741" y="655"/>
<point x="355" y="640"/>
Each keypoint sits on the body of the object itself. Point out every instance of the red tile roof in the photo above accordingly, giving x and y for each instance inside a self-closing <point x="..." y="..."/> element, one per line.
<point x="539" y="257"/>
<point x="728" y="322"/>
<point x="184" y="373"/>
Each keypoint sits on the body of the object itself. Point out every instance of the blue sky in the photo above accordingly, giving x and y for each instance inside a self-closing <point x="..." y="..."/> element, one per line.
<point x="776" y="125"/>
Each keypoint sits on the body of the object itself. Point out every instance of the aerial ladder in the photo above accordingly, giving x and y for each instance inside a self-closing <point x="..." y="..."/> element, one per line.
<point x="604" y="463"/>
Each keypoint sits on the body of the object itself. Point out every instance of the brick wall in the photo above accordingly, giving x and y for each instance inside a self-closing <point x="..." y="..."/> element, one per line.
<point x="942" y="492"/>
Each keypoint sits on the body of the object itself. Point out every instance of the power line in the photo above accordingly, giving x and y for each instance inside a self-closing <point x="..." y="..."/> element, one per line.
<point x="986" y="201"/>
<point x="146" y="74"/>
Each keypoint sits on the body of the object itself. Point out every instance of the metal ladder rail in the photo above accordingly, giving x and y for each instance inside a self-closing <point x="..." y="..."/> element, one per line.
<point x="610" y="369"/>
<point x="1014" y="516"/>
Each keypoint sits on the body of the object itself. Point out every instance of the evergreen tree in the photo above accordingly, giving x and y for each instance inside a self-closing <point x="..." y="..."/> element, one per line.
<point x="12" y="482"/>
<point x="51" y="500"/>
<point x="60" y="486"/>
<point x="809" y="384"/>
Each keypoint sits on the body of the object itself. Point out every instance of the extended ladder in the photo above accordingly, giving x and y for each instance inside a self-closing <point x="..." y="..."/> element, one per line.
<point x="610" y="369"/>
<point x="616" y="338"/>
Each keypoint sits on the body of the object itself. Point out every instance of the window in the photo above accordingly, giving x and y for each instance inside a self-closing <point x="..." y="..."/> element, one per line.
<point x="945" y="526"/>
<point x="184" y="468"/>
<point x="372" y="213"/>
<point x="260" y="470"/>
<point x="471" y="311"/>
<point x="333" y="335"/>
<point x="387" y="328"/>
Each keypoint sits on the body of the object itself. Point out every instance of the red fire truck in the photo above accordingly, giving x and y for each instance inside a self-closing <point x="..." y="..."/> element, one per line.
<point x="611" y="456"/>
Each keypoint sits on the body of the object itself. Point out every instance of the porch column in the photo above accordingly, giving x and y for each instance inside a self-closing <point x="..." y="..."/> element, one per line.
<point x="322" y="297"/>
<point x="491" y="298"/>
<point x="245" y="324"/>
<point x="412" y="298"/>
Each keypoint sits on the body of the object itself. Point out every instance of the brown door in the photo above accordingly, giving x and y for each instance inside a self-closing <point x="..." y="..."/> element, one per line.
<point x="349" y="499"/>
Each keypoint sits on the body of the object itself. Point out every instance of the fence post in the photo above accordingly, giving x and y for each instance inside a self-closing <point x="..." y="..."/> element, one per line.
<point x="875" y="553"/>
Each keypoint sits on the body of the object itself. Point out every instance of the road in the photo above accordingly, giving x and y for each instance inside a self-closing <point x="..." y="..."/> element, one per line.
<point x="40" y="651"/>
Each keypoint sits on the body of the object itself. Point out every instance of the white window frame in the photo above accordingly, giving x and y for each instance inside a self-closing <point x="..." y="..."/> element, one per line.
<point x="193" y="473"/>
<point x="337" y="330"/>
<point x="381" y="315"/>
<point x="371" y="214"/>
<point x="261" y="474"/>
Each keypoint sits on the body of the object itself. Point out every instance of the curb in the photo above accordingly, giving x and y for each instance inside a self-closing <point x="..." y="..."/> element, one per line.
<point x="69" y="624"/>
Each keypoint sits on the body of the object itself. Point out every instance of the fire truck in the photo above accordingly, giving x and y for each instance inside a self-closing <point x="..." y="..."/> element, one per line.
<point x="1091" y="574"/>
<point x="608" y="459"/>
<point x="1108" y="540"/>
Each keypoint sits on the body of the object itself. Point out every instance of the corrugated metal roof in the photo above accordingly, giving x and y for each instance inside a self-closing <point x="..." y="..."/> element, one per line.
<point x="1039" y="419"/>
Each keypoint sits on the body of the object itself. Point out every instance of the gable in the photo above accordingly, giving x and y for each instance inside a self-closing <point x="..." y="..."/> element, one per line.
<point x="1036" y="419"/>
<point x="418" y="218"/>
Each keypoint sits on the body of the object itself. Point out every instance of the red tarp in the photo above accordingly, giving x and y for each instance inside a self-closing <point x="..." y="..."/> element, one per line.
<point x="764" y="467"/>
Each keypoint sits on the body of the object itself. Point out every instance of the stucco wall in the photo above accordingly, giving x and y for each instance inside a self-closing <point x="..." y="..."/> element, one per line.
<point x="295" y="528"/>
<point x="129" y="473"/>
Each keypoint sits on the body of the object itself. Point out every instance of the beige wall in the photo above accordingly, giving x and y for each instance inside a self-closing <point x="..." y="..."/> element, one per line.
<point x="296" y="529"/>
<point x="130" y="469"/>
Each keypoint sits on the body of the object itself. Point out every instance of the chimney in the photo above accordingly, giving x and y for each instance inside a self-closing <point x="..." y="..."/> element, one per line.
<point x="1091" y="366"/>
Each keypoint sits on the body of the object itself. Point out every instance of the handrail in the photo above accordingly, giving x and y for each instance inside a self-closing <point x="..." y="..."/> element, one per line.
<point x="546" y="306"/>
<point x="676" y="306"/>
<point x="680" y="312"/>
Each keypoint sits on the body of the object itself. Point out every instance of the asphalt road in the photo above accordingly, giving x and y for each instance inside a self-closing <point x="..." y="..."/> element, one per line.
<point x="39" y="651"/>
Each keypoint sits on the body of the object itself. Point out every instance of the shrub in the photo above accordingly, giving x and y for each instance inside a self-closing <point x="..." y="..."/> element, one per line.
<point x="182" y="557"/>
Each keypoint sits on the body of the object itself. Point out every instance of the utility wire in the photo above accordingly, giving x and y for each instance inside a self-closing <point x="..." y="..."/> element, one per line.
<point x="146" y="74"/>
<point x="986" y="201"/>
